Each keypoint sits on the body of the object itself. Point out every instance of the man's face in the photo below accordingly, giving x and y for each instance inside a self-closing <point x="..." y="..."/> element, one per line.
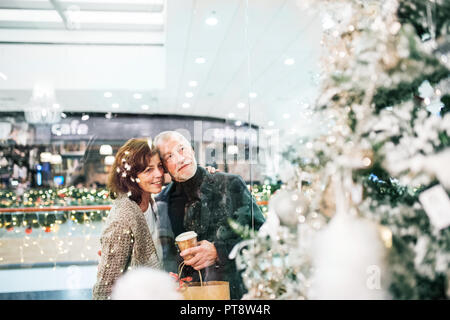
<point x="178" y="158"/>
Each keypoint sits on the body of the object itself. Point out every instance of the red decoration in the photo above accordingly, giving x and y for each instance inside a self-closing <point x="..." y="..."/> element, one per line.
<point x="28" y="230"/>
<point x="181" y="282"/>
<point x="48" y="229"/>
<point x="99" y="253"/>
<point x="9" y="229"/>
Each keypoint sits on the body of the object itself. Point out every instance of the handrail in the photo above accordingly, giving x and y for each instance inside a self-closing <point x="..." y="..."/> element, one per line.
<point x="72" y="208"/>
<point x="44" y="209"/>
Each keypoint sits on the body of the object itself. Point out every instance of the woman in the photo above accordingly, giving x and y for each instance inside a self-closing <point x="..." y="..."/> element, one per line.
<point x="130" y="238"/>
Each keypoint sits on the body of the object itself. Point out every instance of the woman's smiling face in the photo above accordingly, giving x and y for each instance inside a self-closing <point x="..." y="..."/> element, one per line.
<point x="152" y="178"/>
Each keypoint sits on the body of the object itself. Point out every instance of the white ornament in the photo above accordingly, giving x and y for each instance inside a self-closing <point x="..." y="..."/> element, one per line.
<point x="270" y="226"/>
<point x="348" y="258"/>
<point x="436" y="204"/>
<point x="145" y="284"/>
<point x="288" y="205"/>
<point x="287" y="172"/>
<point x="438" y="164"/>
<point x="426" y="90"/>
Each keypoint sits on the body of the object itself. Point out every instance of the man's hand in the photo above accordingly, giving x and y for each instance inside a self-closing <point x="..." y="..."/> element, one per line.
<point x="205" y="255"/>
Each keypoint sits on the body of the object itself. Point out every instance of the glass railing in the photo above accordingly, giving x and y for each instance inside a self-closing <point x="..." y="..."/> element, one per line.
<point x="62" y="226"/>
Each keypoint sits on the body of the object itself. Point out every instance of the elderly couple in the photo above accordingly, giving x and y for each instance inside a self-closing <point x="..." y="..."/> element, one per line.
<point x="144" y="220"/>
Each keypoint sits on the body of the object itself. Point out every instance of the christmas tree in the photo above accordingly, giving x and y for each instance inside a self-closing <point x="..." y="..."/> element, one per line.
<point x="385" y="96"/>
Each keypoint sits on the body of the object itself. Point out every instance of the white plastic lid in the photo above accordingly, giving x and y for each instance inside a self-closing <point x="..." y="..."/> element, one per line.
<point x="186" y="236"/>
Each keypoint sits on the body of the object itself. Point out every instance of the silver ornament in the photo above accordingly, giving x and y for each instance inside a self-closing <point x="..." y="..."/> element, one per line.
<point x="289" y="206"/>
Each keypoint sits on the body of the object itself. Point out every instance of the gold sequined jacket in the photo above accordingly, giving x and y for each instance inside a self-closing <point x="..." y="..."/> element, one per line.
<point x="126" y="243"/>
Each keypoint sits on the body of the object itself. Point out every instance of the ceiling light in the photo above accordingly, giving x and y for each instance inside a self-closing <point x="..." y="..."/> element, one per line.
<point x="186" y="105"/>
<point x="238" y="123"/>
<point x="109" y="160"/>
<point x="231" y="115"/>
<point x="107" y="94"/>
<point x="144" y="107"/>
<point x="106" y="150"/>
<point x="85" y="117"/>
<point x="200" y="60"/>
<point x="252" y="95"/>
<point x="241" y="105"/>
<point x="63" y="115"/>
<point x="271" y="123"/>
<point x="3" y="76"/>
<point x="98" y="17"/>
<point x="327" y="22"/>
<point x="212" y="19"/>
<point x="192" y="83"/>
<point x="137" y="96"/>
<point x="20" y="15"/>
<point x="189" y="94"/>
<point x="289" y="61"/>
<point x="115" y="105"/>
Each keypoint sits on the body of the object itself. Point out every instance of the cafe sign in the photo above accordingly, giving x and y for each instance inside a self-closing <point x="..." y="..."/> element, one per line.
<point x="75" y="127"/>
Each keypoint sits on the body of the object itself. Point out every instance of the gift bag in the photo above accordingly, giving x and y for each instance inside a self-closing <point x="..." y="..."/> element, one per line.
<point x="208" y="290"/>
<point x="204" y="290"/>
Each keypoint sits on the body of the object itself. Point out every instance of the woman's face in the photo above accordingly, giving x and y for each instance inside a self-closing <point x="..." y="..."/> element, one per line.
<point x="151" y="179"/>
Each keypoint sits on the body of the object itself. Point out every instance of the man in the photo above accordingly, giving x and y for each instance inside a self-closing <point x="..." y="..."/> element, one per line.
<point x="202" y="202"/>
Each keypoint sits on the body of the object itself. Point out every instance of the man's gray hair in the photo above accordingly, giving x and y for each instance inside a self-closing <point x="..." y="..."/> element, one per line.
<point x="166" y="135"/>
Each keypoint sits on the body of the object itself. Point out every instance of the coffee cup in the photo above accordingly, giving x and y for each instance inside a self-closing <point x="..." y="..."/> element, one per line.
<point x="185" y="241"/>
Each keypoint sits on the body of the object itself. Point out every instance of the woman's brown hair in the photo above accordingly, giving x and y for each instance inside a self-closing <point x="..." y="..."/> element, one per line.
<point x="131" y="159"/>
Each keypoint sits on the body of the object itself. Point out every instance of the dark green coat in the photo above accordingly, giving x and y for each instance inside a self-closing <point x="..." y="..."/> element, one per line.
<point x="213" y="198"/>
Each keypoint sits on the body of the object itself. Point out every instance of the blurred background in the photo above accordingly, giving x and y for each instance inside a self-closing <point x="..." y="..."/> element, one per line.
<point x="78" y="78"/>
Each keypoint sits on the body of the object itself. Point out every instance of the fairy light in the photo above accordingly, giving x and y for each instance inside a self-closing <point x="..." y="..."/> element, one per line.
<point x="26" y="223"/>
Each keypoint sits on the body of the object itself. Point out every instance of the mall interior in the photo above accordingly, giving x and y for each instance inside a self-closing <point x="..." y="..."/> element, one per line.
<point x="242" y="81"/>
<point x="80" y="78"/>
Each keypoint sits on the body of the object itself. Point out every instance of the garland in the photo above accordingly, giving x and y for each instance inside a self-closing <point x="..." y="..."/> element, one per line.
<point x="72" y="196"/>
